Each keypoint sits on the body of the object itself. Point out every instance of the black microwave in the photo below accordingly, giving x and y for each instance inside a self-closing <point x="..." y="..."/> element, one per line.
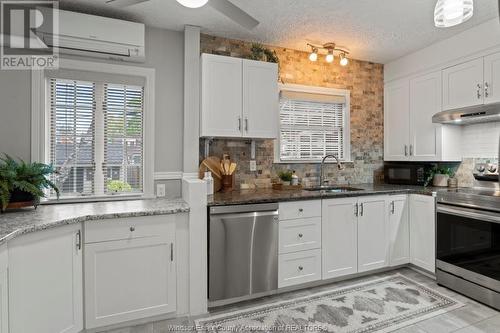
<point x="406" y="173"/>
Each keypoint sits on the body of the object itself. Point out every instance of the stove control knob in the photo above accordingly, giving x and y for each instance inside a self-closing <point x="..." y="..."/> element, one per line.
<point x="480" y="168"/>
<point x="492" y="168"/>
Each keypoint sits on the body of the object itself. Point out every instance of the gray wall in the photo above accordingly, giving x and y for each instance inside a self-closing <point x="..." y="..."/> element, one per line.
<point x="164" y="52"/>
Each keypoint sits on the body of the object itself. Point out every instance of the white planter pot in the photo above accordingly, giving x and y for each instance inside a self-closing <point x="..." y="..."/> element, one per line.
<point x="440" y="180"/>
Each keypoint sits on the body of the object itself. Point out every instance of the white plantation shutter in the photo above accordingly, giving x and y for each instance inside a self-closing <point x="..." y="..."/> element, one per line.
<point x="123" y="124"/>
<point x="72" y="134"/>
<point x="311" y="128"/>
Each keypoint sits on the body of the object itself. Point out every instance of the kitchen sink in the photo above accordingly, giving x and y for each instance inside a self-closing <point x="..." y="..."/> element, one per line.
<point x="334" y="189"/>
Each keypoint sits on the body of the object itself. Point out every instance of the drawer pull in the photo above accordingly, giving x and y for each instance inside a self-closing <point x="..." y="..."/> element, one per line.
<point x="301" y="268"/>
<point x="301" y="210"/>
<point x="132" y="228"/>
<point x="300" y="235"/>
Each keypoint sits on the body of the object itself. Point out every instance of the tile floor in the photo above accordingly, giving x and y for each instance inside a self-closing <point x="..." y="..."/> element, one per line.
<point x="473" y="317"/>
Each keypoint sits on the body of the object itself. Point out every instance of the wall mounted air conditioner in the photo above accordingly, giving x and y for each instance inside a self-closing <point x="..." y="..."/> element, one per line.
<point x="96" y="36"/>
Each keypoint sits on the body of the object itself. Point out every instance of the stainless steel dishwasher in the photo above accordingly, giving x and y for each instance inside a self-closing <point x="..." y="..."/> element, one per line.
<point x="243" y="252"/>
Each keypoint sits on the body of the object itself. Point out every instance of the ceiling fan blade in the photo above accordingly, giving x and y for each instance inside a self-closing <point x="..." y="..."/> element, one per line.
<point x="123" y="3"/>
<point x="234" y="13"/>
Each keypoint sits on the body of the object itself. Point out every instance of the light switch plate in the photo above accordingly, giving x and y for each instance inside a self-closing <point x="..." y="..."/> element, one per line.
<point x="160" y="190"/>
<point x="253" y="165"/>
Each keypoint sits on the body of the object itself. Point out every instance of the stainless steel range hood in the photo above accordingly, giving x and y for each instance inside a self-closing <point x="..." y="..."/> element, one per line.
<point x="470" y="115"/>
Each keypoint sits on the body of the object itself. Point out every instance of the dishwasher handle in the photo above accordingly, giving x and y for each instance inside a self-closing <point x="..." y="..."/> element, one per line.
<point x="270" y="209"/>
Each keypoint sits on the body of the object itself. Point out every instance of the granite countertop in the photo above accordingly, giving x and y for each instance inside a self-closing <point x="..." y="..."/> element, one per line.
<point x="13" y="224"/>
<point x="269" y="195"/>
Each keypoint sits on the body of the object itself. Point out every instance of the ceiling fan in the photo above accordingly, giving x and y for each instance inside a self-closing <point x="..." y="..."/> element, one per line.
<point x="225" y="7"/>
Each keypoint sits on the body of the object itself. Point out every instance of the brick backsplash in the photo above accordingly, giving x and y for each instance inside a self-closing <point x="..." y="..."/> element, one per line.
<point x="363" y="79"/>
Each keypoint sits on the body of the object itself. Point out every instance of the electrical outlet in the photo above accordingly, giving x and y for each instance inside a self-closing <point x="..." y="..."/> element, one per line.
<point x="253" y="165"/>
<point x="160" y="190"/>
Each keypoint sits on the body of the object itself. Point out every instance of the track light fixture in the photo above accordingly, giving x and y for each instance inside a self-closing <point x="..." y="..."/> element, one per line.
<point x="330" y="49"/>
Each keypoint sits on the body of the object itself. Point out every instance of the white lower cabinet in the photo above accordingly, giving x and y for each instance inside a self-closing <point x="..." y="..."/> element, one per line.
<point x="4" y="294"/>
<point x="299" y="267"/>
<point x="399" y="230"/>
<point x="133" y="277"/>
<point x="45" y="281"/>
<point x="339" y="237"/>
<point x="373" y="240"/>
<point x="299" y="235"/>
<point x="422" y="231"/>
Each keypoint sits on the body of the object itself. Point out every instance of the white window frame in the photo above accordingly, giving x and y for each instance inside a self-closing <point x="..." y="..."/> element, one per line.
<point x="324" y="91"/>
<point x="40" y="120"/>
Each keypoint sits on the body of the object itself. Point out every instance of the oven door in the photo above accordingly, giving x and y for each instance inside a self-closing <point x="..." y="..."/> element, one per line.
<point x="468" y="244"/>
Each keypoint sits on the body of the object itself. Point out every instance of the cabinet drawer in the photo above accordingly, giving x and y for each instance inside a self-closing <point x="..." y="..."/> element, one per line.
<point x="299" y="235"/>
<point x="299" y="209"/>
<point x="127" y="228"/>
<point x="299" y="267"/>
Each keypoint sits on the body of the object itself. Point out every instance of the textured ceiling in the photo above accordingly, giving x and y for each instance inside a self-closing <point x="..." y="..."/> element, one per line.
<point x="374" y="30"/>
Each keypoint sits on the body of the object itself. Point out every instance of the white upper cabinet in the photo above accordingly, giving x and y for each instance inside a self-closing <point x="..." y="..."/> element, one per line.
<point x="260" y="99"/>
<point x="492" y="78"/>
<point x="221" y="96"/>
<point x="396" y="120"/>
<point x="45" y="282"/>
<point x="373" y="239"/>
<point x="399" y="230"/>
<point x="463" y="85"/>
<point x="4" y="299"/>
<point x="239" y="98"/>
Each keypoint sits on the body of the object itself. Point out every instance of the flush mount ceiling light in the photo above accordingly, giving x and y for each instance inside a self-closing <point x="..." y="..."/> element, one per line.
<point x="193" y="3"/>
<point x="330" y="49"/>
<point x="449" y="13"/>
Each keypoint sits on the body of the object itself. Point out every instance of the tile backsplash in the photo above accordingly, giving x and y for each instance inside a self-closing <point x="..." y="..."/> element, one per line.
<point x="366" y="84"/>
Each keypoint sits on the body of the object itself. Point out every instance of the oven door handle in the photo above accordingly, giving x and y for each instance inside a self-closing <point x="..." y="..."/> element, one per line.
<point x="469" y="213"/>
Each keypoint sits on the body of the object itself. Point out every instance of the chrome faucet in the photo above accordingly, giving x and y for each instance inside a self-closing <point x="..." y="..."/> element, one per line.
<point x="340" y="166"/>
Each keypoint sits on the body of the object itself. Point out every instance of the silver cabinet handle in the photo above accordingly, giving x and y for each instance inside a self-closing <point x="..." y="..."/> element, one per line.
<point x="246" y="124"/>
<point x="300" y="268"/>
<point x="406" y="150"/>
<point x="172" y="252"/>
<point x="361" y="209"/>
<point x="479" y="91"/>
<point x="300" y="235"/>
<point x="239" y="124"/>
<point x="392" y="208"/>
<point x="486" y="92"/>
<point x="356" y="210"/>
<point x="411" y="150"/>
<point x="301" y="210"/>
<point x="79" y="240"/>
<point x="132" y="229"/>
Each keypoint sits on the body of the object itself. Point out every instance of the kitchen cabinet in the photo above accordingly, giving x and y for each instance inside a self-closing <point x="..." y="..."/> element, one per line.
<point x="299" y="235"/>
<point x="373" y="240"/>
<point x="463" y="85"/>
<point x="299" y="267"/>
<point x="239" y="98"/>
<point x="422" y="231"/>
<point x="410" y="134"/>
<point x="130" y="270"/>
<point x="492" y="78"/>
<point x="260" y="99"/>
<point x="45" y="281"/>
<point x="4" y="298"/>
<point x="399" y="230"/>
<point x="396" y="120"/>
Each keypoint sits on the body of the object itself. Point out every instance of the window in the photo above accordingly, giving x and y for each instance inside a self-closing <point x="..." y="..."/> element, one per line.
<point x="314" y="122"/>
<point x="96" y="137"/>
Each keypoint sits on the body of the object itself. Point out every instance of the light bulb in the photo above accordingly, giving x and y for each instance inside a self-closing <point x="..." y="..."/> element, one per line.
<point x="193" y="3"/>
<point x="329" y="57"/>
<point x="343" y="60"/>
<point x="314" y="55"/>
<point x="452" y="12"/>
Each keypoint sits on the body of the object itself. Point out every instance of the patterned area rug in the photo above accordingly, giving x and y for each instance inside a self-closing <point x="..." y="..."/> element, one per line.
<point x="380" y="305"/>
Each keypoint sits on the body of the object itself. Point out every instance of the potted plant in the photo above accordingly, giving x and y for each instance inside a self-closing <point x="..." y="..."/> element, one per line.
<point x="116" y="186"/>
<point x="439" y="176"/>
<point x="285" y="177"/>
<point x="22" y="184"/>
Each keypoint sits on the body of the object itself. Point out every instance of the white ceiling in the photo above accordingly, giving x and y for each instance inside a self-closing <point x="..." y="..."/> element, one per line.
<point x="374" y="30"/>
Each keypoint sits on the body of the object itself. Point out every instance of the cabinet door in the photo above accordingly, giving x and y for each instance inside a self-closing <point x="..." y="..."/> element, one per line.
<point x="4" y="299"/>
<point x="260" y="99"/>
<point x="425" y="101"/>
<point x="399" y="230"/>
<point x="221" y="96"/>
<point x="339" y="237"/>
<point x="45" y="282"/>
<point x="492" y="78"/>
<point x="373" y="240"/>
<point x="463" y="85"/>
<point x="422" y="232"/>
<point x="396" y="120"/>
<point x="129" y="279"/>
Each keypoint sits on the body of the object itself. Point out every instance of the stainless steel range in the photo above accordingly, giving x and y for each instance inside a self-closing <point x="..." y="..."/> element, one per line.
<point x="468" y="238"/>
